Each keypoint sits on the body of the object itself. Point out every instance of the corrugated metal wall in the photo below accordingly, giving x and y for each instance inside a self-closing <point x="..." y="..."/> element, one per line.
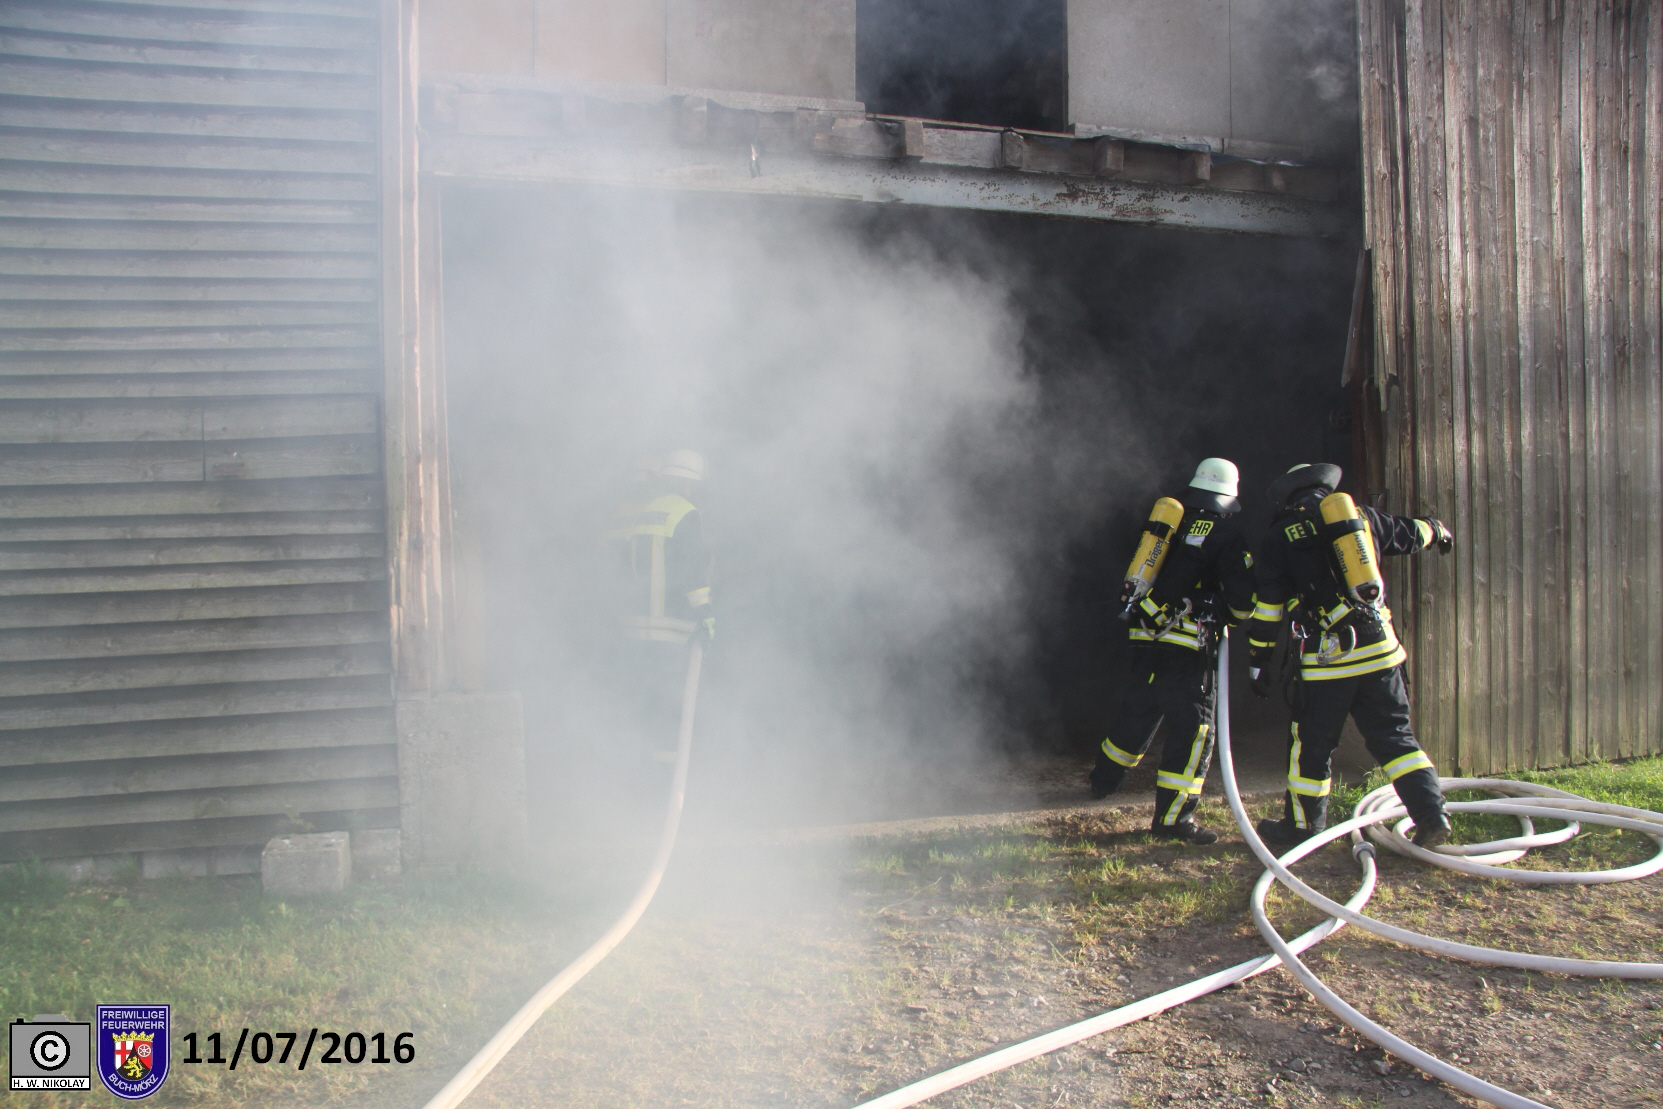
<point x="1514" y="168"/>
<point x="193" y="595"/>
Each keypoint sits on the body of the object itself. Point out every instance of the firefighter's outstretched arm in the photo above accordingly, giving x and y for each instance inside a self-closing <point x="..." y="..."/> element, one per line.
<point x="1401" y="535"/>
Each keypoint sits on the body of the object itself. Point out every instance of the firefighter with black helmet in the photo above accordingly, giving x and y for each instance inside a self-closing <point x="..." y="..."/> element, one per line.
<point x="1191" y="577"/>
<point x="1318" y="568"/>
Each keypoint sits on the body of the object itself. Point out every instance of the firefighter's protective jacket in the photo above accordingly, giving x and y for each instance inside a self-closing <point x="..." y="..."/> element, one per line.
<point x="665" y="566"/>
<point x="1336" y="637"/>
<point x="1205" y="583"/>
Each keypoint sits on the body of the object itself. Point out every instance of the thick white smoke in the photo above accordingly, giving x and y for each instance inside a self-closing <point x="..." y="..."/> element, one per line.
<point x="869" y="425"/>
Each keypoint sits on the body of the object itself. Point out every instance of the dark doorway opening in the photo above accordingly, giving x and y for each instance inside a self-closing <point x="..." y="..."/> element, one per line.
<point x="1003" y="63"/>
<point x="1132" y="352"/>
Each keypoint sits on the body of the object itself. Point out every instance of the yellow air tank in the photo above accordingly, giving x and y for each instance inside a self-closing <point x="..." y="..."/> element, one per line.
<point x="1353" y="549"/>
<point x="1164" y="518"/>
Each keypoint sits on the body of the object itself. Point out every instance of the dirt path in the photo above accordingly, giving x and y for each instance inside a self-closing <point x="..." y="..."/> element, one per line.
<point x="823" y="969"/>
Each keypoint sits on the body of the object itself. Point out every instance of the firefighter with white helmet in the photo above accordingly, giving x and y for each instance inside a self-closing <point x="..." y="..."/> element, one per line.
<point x="1318" y="567"/>
<point x="662" y="554"/>
<point x="1192" y="575"/>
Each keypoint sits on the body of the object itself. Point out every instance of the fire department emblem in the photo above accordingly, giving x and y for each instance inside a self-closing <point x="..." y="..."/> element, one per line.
<point x="132" y="1048"/>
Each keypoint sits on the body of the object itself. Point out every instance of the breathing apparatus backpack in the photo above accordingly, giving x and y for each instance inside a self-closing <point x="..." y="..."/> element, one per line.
<point x="1151" y="554"/>
<point x="1336" y="570"/>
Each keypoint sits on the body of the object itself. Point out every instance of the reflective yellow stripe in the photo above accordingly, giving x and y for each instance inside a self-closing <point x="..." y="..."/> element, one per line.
<point x="1312" y="671"/>
<point x="1124" y="758"/>
<point x="1407" y="764"/>
<point x="1251" y="642"/>
<point x="699" y="597"/>
<point x="1174" y="810"/>
<point x="1294" y="745"/>
<point x="1426" y="532"/>
<point x="1269" y="613"/>
<point x="1310" y="787"/>
<point x="1241" y="614"/>
<point x="1197" y="745"/>
<point x="659" y="516"/>
<point x="1178" y="782"/>
<point x="1176" y="637"/>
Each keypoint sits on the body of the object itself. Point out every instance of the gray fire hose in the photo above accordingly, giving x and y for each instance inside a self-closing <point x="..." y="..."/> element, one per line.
<point x="520" y="1023"/>
<point x="1520" y="799"/>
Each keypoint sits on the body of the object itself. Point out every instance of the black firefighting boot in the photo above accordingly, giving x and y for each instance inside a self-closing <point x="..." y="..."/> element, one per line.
<point x="1286" y="833"/>
<point x="1107" y="776"/>
<point x="1174" y="818"/>
<point x="1282" y="834"/>
<point x="1421" y="795"/>
<point x="1187" y="831"/>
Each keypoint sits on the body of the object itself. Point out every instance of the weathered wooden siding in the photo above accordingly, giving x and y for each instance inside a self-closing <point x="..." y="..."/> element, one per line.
<point x="1514" y="196"/>
<point x="193" y="596"/>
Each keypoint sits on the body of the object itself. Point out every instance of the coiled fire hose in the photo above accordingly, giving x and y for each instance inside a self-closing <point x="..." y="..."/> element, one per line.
<point x="518" y="1025"/>
<point x="1374" y="813"/>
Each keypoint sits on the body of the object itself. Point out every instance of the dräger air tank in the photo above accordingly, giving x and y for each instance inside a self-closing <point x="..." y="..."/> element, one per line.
<point x="1164" y="519"/>
<point x="1353" y="549"/>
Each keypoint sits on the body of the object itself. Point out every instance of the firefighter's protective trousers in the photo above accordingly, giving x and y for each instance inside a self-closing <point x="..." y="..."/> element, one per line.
<point x="1174" y="684"/>
<point x="1379" y="703"/>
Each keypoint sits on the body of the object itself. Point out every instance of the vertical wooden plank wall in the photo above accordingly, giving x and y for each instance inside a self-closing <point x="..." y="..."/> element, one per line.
<point x="193" y="599"/>
<point x="1514" y="212"/>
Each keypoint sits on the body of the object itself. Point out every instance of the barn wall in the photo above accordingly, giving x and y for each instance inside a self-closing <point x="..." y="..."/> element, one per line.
<point x="780" y="47"/>
<point x="1514" y="173"/>
<point x="1257" y="78"/>
<point x="193" y="596"/>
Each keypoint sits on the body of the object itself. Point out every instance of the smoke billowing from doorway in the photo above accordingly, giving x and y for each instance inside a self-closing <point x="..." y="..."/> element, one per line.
<point x="929" y="439"/>
<point x="871" y="433"/>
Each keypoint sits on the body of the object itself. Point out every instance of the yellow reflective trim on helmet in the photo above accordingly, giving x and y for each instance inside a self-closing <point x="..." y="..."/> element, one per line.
<point x="1407" y="764"/>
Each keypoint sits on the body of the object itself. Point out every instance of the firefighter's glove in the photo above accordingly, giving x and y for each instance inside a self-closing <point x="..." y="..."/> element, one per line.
<point x="1441" y="535"/>
<point x="1258" y="681"/>
<point x="705" y="629"/>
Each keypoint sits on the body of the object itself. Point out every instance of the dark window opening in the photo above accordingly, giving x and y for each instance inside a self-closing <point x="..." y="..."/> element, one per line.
<point x="998" y="62"/>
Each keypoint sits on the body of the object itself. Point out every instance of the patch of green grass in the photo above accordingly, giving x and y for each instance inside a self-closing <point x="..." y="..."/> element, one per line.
<point x="1638" y="784"/>
<point x="439" y="962"/>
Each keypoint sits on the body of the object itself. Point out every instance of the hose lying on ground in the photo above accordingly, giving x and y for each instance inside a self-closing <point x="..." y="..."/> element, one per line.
<point x="518" y="1025"/>
<point x="1523" y="801"/>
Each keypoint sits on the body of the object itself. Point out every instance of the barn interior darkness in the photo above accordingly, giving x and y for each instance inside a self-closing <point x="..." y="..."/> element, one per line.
<point x="1003" y="63"/>
<point x="1145" y="349"/>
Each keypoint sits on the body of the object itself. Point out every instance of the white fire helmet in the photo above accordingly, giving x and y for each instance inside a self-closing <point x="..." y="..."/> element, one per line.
<point x="1216" y="475"/>
<point x="684" y="463"/>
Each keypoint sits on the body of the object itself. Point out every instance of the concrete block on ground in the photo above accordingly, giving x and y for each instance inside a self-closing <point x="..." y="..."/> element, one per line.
<point x="375" y="854"/>
<point x="199" y="862"/>
<point x="91" y="868"/>
<point x="306" y="865"/>
<point x="188" y="862"/>
<point x="461" y="781"/>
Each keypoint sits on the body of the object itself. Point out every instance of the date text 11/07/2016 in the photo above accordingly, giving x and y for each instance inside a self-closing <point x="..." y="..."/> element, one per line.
<point x="278" y="1047"/>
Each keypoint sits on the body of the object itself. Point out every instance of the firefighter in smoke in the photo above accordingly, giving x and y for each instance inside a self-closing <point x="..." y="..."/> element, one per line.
<point x="1319" y="568"/>
<point x="664" y="570"/>
<point x="1192" y="576"/>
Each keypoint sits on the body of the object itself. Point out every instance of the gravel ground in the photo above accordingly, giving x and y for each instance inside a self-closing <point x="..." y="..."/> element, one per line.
<point x="824" y="968"/>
